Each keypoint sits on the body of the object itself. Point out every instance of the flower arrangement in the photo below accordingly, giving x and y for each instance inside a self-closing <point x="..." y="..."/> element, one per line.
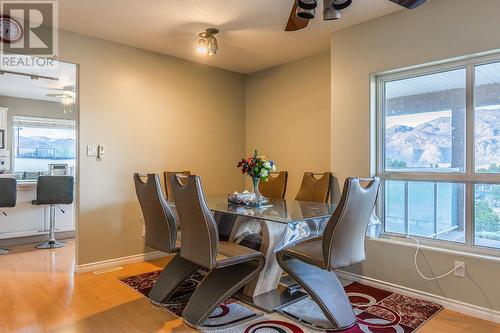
<point x="257" y="167"/>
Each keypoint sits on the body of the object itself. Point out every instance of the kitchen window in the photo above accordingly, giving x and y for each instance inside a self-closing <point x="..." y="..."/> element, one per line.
<point x="39" y="142"/>
<point x="438" y="153"/>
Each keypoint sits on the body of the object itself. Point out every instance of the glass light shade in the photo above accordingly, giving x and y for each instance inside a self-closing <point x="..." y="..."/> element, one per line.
<point x="202" y="46"/>
<point x="212" y="46"/>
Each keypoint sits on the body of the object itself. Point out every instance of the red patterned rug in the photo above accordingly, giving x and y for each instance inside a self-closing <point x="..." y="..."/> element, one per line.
<point x="377" y="311"/>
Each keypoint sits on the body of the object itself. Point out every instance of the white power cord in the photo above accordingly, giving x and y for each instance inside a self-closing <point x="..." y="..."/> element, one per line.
<point x="418" y="269"/>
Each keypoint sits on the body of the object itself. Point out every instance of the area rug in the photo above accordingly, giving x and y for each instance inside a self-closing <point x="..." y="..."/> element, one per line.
<point x="231" y="313"/>
<point x="377" y="311"/>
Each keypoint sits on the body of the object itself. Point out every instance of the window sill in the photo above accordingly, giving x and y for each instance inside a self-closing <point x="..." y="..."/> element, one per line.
<point x="476" y="253"/>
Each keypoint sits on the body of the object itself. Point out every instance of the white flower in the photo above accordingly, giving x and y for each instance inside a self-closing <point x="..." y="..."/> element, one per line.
<point x="264" y="173"/>
<point x="267" y="165"/>
<point x="274" y="167"/>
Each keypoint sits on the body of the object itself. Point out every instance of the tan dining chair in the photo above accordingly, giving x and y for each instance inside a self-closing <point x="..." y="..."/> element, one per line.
<point x="315" y="187"/>
<point x="168" y="185"/>
<point x="275" y="187"/>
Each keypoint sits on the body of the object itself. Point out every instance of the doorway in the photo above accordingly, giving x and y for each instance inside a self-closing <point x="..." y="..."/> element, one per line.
<point x="38" y="138"/>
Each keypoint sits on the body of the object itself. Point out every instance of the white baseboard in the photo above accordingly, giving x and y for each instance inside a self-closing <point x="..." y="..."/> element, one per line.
<point x="450" y="304"/>
<point x="100" y="265"/>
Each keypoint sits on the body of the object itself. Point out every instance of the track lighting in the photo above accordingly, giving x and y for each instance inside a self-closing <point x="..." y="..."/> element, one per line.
<point x="306" y="9"/>
<point x="329" y="13"/>
<point x="341" y="4"/>
<point x="331" y="8"/>
<point x="207" y="44"/>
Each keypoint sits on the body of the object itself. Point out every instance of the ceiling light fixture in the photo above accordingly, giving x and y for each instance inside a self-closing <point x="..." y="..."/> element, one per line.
<point x="207" y="44"/>
<point x="332" y="8"/>
<point x="306" y="9"/>
<point x="328" y="12"/>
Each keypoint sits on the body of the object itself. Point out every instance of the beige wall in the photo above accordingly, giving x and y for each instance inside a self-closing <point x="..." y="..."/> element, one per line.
<point x="288" y="116"/>
<point x="153" y="113"/>
<point x="31" y="107"/>
<point x="439" y="30"/>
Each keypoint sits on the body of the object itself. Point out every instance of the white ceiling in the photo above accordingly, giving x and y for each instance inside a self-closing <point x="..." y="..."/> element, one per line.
<point x="24" y="87"/>
<point x="251" y="37"/>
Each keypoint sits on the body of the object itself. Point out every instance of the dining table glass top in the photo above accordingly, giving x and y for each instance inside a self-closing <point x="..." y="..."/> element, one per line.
<point x="276" y="210"/>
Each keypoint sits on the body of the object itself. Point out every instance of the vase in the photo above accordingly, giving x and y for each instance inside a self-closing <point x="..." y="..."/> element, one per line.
<point x="259" y="198"/>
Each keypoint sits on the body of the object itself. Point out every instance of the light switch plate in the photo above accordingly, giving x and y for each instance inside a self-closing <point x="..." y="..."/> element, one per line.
<point x="91" y="151"/>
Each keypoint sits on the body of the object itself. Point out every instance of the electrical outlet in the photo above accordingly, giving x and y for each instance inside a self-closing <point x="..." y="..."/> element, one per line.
<point x="459" y="268"/>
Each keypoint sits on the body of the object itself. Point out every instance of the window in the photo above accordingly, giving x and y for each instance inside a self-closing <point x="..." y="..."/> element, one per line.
<point x="38" y="142"/>
<point x="438" y="153"/>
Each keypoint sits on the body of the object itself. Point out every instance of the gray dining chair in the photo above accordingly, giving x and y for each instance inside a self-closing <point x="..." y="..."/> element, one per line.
<point x="168" y="185"/>
<point x="53" y="191"/>
<point x="8" y="198"/>
<point x="229" y="266"/>
<point x="161" y="235"/>
<point x="342" y="244"/>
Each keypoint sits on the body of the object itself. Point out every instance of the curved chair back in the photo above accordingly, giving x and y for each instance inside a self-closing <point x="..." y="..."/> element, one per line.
<point x="55" y="190"/>
<point x="168" y="184"/>
<point x="200" y="238"/>
<point x="275" y="187"/>
<point x="315" y="189"/>
<point x="8" y="194"/>
<point x="344" y="235"/>
<point x="161" y="231"/>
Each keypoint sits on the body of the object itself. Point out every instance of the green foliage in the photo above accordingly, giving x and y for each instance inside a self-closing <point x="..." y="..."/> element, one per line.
<point x="493" y="168"/>
<point x="486" y="218"/>
<point x="488" y="235"/>
<point x="390" y="163"/>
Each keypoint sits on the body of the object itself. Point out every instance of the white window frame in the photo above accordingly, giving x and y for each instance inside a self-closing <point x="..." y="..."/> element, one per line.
<point x="40" y="122"/>
<point x="469" y="177"/>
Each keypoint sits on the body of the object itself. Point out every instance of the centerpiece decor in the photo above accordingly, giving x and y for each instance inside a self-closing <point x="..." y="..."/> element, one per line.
<point x="258" y="168"/>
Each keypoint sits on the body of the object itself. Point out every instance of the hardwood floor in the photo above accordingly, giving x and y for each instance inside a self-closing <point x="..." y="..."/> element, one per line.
<point x="40" y="293"/>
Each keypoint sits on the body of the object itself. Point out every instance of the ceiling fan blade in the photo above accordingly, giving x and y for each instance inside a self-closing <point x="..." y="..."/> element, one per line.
<point x="294" y="22"/>
<point x="410" y="4"/>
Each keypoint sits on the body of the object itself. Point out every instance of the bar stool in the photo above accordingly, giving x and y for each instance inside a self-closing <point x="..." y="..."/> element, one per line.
<point x="8" y="196"/>
<point x="52" y="191"/>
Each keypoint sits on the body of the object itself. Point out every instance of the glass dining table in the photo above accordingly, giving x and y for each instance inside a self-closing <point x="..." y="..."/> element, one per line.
<point x="267" y="229"/>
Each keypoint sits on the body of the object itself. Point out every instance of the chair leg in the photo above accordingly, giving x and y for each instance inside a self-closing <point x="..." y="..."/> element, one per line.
<point x="52" y="243"/>
<point x="325" y="289"/>
<point x="176" y="272"/>
<point x="217" y="286"/>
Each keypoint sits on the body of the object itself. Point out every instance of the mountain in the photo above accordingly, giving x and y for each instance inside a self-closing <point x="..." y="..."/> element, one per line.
<point x="43" y="147"/>
<point x="429" y="144"/>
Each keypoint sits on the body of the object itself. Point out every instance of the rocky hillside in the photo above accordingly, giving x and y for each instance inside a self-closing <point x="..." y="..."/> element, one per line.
<point x="429" y="144"/>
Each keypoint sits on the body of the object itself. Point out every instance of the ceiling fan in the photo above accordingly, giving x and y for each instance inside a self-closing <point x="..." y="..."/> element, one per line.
<point x="305" y="10"/>
<point x="65" y="95"/>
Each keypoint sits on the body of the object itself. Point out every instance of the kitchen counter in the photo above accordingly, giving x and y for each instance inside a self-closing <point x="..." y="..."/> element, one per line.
<point x="26" y="219"/>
